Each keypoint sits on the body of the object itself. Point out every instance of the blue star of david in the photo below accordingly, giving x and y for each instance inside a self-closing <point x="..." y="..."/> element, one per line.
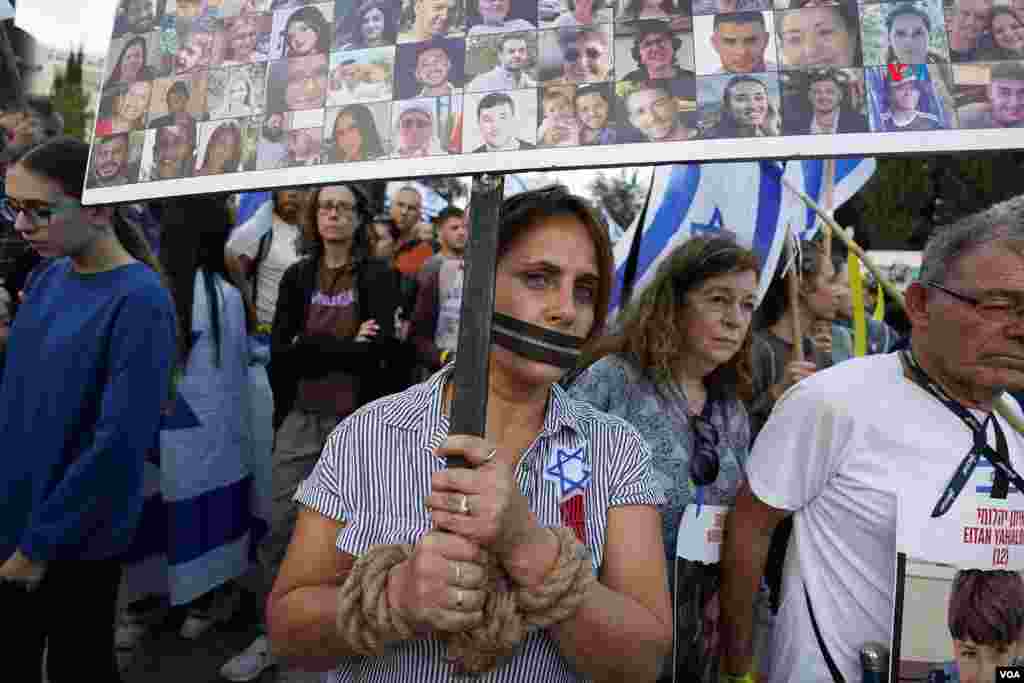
<point x="565" y="481"/>
<point x="713" y="227"/>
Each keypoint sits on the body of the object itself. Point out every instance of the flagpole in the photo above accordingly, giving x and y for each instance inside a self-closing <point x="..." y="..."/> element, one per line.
<point x="1001" y="406"/>
<point x="829" y="195"/>
<point x="793" y="292"/>
<point x="832" y="227"/>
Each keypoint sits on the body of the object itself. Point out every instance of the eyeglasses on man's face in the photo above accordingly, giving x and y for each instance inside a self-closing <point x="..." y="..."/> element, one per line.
<point x="999" y="307"/>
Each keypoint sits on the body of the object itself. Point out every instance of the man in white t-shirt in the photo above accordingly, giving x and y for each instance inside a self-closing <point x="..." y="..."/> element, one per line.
<point x="842" y="444"/>
<point x="265" y="270"/>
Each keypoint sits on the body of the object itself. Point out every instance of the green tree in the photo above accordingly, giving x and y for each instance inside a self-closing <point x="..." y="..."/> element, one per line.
<point x="70" y="98"/>
<point x="621" y="195"/>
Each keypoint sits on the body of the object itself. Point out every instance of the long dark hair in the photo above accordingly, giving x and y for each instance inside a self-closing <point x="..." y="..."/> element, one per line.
<point x="115" y="75"/>
<point x="653" y="323"/>
<point x="195" y="230"/>
<point x="64" y="160"/>
<point x="314" y="18"/>
<point x="310" y="242"/>
<point x="372" y="147"/>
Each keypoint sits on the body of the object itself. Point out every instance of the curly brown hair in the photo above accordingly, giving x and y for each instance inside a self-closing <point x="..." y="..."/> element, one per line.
<point x="653" y="323"/>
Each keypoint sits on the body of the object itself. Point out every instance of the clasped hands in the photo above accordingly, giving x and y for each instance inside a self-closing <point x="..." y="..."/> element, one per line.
<point x="481" y="518"/>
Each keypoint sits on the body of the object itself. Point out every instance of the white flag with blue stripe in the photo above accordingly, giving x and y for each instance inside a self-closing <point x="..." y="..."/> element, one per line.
<point x="850" y="176"/>
<point x="744" y="201"/>
<point x="255" y="207"/>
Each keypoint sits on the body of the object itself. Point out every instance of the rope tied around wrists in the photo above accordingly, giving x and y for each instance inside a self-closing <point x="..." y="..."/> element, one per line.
<point x="368" y="624"/>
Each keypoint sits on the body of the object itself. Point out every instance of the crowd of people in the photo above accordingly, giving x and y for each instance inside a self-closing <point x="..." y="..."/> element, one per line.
<point x="214" y="408"/>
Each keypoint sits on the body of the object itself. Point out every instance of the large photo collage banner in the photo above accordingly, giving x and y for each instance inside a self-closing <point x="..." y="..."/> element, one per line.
<point x="198" y="88"/>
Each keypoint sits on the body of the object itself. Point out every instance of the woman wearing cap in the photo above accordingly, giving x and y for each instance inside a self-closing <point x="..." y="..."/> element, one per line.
<point x="678" y="370"/>
<point x="383" y="519"/>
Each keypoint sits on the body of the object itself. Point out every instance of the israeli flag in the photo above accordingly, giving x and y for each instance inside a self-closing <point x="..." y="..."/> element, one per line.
<point x="850" y="176"/>
<point x="744" y="201"/>
<point x="254" y="208"/>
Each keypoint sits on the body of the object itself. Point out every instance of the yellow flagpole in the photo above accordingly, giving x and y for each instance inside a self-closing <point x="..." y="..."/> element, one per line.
<point x="860" y="324"/>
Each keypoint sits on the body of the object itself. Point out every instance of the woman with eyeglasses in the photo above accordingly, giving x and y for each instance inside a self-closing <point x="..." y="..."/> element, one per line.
<point x="678" y="370"/>
<point x="333" y="329"/>
<point x="88" y="371"/>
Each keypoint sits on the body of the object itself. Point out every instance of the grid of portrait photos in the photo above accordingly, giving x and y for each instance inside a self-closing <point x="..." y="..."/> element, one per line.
<point x="207" y="87"/>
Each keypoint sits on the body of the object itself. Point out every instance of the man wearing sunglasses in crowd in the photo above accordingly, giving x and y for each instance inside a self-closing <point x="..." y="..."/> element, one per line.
<point x="848" y="446"/>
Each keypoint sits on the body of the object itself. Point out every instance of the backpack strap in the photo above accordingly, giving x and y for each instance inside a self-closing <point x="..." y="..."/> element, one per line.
<point x="261" y="254"/>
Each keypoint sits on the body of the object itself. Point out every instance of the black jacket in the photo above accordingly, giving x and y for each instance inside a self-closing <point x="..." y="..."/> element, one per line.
<point x="296" y="355"/>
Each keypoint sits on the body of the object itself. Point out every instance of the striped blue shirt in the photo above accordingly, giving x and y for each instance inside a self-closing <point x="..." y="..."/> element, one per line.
<point x="375" y="473"/>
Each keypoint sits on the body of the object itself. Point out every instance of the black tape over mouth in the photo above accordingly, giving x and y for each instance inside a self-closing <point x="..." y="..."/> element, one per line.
<point x="536" y="343"/>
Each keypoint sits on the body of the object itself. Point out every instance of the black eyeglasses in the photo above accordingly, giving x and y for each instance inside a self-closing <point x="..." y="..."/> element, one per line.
<point x="704" y="461"/>
<point x="39" y="213"/>
<point x="997" y="308"/>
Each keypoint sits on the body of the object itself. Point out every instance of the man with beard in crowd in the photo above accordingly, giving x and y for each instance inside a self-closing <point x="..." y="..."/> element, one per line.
<point x="272" y="148"/>
<point x="257" y="258"/>
<point x="435" y="320"/>
<point x="411" y="252"/>
<point x="1005" y="106"/>
<point x="110" y="165"/>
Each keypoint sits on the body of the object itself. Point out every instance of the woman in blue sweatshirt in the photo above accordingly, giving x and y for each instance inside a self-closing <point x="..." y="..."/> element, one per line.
<point x="88" y="370"/>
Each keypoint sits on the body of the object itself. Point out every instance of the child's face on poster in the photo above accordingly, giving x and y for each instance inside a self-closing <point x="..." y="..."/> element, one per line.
<point x="977" y="662"/>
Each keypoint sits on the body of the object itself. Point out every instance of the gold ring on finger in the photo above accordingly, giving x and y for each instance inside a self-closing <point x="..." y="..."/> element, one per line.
<point x="464" y="504"/>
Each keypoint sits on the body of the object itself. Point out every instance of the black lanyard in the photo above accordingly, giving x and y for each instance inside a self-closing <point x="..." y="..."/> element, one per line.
<point x="999" y="457"/>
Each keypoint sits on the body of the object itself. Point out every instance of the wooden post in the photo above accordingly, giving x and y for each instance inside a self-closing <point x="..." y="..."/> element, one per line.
<point x="793" y="293"/>
<point x="472" y="359"/>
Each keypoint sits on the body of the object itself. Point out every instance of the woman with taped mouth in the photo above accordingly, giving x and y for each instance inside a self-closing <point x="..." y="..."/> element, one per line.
<point x="540" y="561"/>
<point x="677" y="371"/>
